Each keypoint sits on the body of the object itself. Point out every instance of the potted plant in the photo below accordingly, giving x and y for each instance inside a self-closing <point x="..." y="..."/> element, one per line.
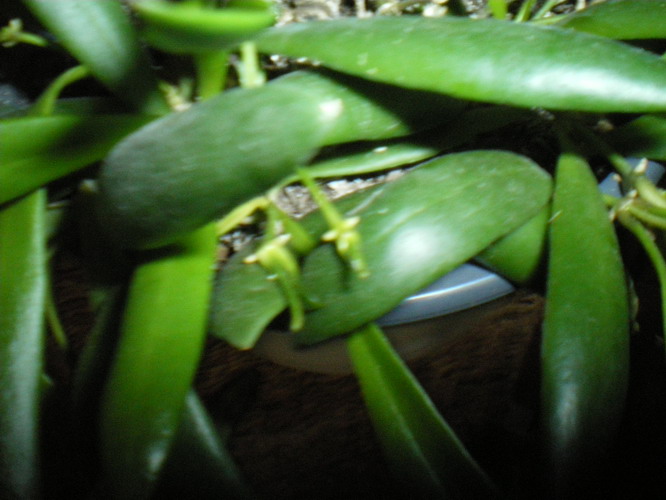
<point x="174" y="151"/>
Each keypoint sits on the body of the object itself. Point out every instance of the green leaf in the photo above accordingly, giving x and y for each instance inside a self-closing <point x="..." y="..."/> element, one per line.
<point x="644" y="137"/>
<point x="244" y="302"/>
<point x="423" y="451"/>
<point x="95" y="359"/>
<point x="162" y="335"/>
<point x="37" y="150"/>
<point x="518" y="255"/>
<point x="465" y="202"/>
<point x="22" y="301"/>
<point x="101" y="36"/>
<point x="199" y="466"/>
<point x="188" y="168"/>
<point x="585" y="347"/>
<point x="620" y="19"/>
<point x="186" y="28"/>
<point x="482" y="59"/>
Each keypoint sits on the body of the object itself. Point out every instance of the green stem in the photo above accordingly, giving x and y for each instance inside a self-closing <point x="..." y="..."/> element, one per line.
<point x="646" y="239"/>
<point x="46" y="102"/>
<point x="523" y="13"/>
<point x="249" y="70"/>
<point x="342" y="230"/>
<point x="619" y="162"/>
<point x="646" y="217"/>
<point x="498" y="8"/>
<point x="546" y="8"/>
<point x="277" y="259"/>
<point x="239" y="214"/>
<point x="211" y="70"/>
<point x="13" y="34"/>
<point x="299" y="239"/>
<point x="54" y="322"/>
<point x="328" y="210"/>
<point x="649" y="192"/>
<point x="293" y="295"/>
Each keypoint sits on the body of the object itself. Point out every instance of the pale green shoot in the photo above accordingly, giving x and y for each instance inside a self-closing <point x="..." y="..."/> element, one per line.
<point x="342" y="230"/>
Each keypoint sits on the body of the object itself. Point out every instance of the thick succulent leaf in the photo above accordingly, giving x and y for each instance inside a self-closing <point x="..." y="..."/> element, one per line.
<point x="644" y="137"/>
<point x="22" y="297"/>
<point x="101" y="36"/>
<point x="163" y="329"/>
<point x="518" y="255"/>
<point x="620" y="19"/>
<point x="199" y="464"/>
<point x="585" y="347"/>
<point x="244" y="301"/>
<point x="38" y="150"/>
<point x="190" y="28"/>
<point x="188" y="168"/>
<point x="422" y="449"/>
<point x="418" y="228"/>
<point x="483" y="59"/>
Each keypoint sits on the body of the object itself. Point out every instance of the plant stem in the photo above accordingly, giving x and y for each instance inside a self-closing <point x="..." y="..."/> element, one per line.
<point x="619" y="162"/>
<point x="647" y="217"/>
<point x="546" y="8"/>
<point x="239" y="214"/>
<point x="342" y="230"/>
<point x="211" y="70"/>
<point x="249" y="71"/>
<point x="646" y="239"/>
<point x="649" y="192"/>
<point x="46" y="102"/>
<point x="54" y="322"/>
<point x="523" y="13"/>
<point x="13" y="34"/>
<point x="498" y="8"/>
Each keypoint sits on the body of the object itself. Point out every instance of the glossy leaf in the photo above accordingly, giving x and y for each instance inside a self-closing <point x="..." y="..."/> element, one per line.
<point x="518" y="255"/>
<point x="22" y="299"/>
<point x="620" y="19"/>
<point x="465" y="202"/>
<point x="37" y="150"/>
<point x="190" y="28"/>
<point x="423" y="451"/>
<point x="162" y="335"/>
<point x="199" y="464"/>
<point x="101" y="36"/>
<point x="245" y="300"/>
<point x="367" y="157"/>
<point x="585" y="348"/>
<point x="188" y="168"/>
<point x="644" y="137"/>
<point x="89" y="378"/>
<point x="484" y="60"/>
<point x="364" y="158"/>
